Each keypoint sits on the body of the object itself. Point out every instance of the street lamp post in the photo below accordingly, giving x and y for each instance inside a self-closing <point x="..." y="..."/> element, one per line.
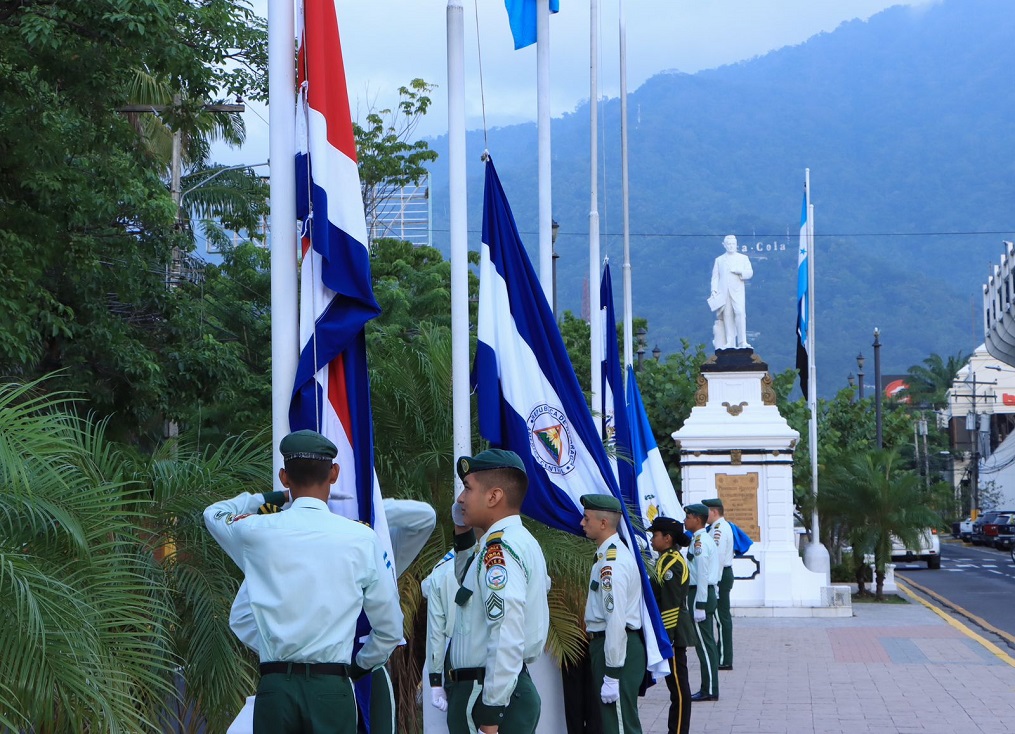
<point x="656" y="352"/>
<point x="641" y="344"/>
<point x="859" y="372"/>
<point x="877" y="385"/>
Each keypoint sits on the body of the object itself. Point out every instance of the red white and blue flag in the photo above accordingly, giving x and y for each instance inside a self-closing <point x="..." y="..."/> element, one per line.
<point x="331" y="393"/>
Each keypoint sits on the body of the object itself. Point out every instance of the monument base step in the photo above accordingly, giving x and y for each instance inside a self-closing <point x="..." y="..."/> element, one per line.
<point x="794" y="612"/>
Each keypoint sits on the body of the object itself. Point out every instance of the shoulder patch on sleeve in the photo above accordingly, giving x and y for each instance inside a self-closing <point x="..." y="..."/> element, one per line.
<point x="493" y="555"/>
<point x="496" y="577"/>
<point x="230" y="519"/>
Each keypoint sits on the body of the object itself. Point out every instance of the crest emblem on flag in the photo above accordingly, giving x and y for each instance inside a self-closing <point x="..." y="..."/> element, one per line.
<point x="550" y="440"/>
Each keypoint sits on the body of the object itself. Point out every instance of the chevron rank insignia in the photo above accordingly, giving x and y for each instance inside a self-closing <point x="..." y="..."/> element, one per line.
<point x="494" y="607"/>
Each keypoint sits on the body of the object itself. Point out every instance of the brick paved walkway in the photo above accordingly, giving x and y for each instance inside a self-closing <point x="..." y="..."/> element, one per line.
<point x="890" y="668"/>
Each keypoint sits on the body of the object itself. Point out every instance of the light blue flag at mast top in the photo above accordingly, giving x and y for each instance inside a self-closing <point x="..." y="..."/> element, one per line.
<point x="522" y="17"/>
<point x="530" y="401"/>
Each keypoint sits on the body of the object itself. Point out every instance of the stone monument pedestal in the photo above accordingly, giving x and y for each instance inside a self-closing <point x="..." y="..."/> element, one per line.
<point x="736" y="446"/>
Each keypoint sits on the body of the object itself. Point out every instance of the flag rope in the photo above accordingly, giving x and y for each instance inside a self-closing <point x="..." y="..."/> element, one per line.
<point x="482" y="91"/>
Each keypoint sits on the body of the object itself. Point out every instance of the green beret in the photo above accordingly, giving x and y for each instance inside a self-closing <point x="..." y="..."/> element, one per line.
<point x="307" y="445"/>
<point x="667" y="525"/>
<point x="487" y="460"/>
<point x="714" y="502"/>
<point x="604" y="502"/>
<point x="697" y="509"/>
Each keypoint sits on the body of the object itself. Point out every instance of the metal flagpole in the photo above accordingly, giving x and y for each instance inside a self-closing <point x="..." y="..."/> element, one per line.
<point x="594" y="305"/>
<point x="285" y="347"/>
<point x="543" y="147"/>
<point x="628" y="295"/>
<point x="458" y="235"/>
<point x="815" y="555"/>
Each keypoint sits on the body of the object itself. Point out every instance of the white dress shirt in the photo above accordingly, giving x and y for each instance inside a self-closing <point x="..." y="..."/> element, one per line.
<point x="308" y="573"/>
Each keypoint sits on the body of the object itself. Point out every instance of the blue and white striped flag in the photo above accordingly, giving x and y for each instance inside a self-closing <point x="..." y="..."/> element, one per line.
<point x="529" y="398"/>
<point x="802" y="316"/>
<point x="656" y="495"/>
<point x="614" y="406"/>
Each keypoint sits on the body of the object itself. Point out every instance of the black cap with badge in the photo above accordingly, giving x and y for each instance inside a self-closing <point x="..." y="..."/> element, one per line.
<point x="602" y="502"/>
<point x="487" y="460"/>
<point x="307" y="444"/>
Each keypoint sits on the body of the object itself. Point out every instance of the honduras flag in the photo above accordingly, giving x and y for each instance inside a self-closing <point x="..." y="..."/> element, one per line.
<point x="802" y="315"/>
<point x="614" y="408"/>
<point x="331" y="393"/>
<point x="529" y="398"/>
<point x="522" y="17"/>
<point x="654" y="487"/>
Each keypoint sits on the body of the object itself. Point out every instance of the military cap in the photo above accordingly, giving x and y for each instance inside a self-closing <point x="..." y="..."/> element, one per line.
<point x="307" y="445"/>
<point x="697" y="509"/>
<point x="667" y="525"/>
<point x="602" y="502"/>
<point x="714" y="502"/>
<point x="487" y="460"/>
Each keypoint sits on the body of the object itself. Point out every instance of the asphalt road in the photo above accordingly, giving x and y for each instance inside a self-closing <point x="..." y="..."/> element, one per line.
<point x="974" y="579"/>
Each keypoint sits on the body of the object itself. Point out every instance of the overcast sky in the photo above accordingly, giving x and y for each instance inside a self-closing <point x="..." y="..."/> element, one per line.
<point x="389" y="42"/>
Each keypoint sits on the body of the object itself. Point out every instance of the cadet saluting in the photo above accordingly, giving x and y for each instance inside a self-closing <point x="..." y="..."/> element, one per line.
<point x="503" y="616"/>
<point x="704" y="565"/>
<point x="306" y="627"/>
<point x="613" y="617"/>
<point x="722" y="534"/>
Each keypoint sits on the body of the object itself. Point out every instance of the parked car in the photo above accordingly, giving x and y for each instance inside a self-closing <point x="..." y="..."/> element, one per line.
<point x="966" y="529"/>
<point x="977" y="537"/>
<point x="928" y="548"/>
<point x="1002" y="530"/>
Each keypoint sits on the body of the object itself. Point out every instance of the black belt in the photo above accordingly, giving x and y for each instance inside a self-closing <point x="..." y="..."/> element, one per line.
<point x="600" y="634"/>
<point x="306" y="668"/>
<point x="457" y="675"/>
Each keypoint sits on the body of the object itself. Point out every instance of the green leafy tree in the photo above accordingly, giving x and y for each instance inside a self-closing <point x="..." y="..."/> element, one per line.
<point x="87" y="225"/>
<point x="928" y="382"/>
<point x="389" y="156"/>
<point x="880" y="500"/>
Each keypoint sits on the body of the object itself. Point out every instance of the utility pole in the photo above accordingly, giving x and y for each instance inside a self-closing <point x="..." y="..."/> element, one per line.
<point x="172" y="429"/>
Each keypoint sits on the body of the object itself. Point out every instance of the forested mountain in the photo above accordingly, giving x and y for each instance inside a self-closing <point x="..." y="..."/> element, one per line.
<point x="905" y="121"/>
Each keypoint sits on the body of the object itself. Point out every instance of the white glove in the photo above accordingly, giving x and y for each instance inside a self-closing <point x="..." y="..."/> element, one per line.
<point x="439" y="698"/>
<point x="610" y="692"/>
<point x="699" y="615"/>
<point x="458" y="515"/>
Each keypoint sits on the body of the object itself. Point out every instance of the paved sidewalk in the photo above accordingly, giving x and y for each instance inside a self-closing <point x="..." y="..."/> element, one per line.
<point x="890" y="668"/>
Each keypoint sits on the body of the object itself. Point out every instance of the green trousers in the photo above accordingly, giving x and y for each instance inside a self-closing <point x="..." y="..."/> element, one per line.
<point x="382" y="702"/>
<point x="621" y="716"/>
<point x="521" y="716"/>
<point x="704" y="643"/>
<point x="724" y="619"/>
<point x="298" y="702"/>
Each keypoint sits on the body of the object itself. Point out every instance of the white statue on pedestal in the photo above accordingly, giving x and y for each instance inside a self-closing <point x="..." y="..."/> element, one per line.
<point x="728" y="300"/>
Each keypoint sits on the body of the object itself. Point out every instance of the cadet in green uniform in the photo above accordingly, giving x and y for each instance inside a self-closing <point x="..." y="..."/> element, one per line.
<point x="503" y="616"/>
<point x="670" y="580"/>
<point x="613" y="617"/>
<point x="722" y="534"/>
<point x="704" y="565"/>
<point x="305" y="628"/>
